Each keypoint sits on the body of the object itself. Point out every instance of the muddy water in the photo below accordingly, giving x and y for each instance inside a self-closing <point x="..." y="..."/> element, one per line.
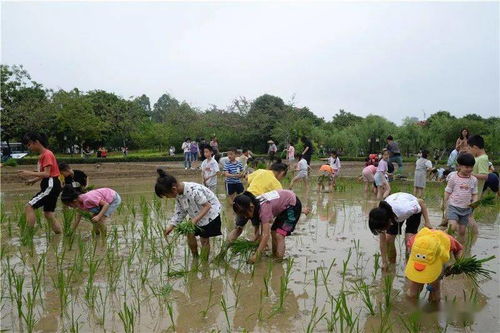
<point x="332" y="251"/>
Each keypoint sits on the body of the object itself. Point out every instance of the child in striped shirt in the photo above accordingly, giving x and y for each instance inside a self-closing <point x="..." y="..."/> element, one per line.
<point x="460" y="192"/>
<point x="233" y="171"/>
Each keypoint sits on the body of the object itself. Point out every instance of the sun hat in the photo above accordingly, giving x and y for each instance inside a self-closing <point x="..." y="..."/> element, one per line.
<point x="270" y="141"/>
<point x="430" y="251"/>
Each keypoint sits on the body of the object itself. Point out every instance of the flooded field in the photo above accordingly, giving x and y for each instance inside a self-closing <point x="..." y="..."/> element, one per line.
<point x="134" y="280"/>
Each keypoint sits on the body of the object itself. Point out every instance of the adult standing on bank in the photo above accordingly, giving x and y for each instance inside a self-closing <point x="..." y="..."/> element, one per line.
<point x="461" y="145"/>
<point x="308" y="149"/>
<point x="394" y="153"/>
<point x="271" y="151"/>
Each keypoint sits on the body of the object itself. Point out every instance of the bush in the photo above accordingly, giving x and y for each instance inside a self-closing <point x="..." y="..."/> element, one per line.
<point x="10" y="162"/>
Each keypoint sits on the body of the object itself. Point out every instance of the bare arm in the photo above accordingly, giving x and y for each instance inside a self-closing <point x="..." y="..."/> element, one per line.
<point x="383" y="251"/>
<point x="305" y="150"/>
<point x="168" y="230"/>
<point x="457" y="144"/>
<point x="425" y="213"/>
<point x="38" y="174"/>
<point x="266" y="232"/>
<point x="482" y="176"/>
<point x="475" y="197"/>
<point x="104" y="209"/>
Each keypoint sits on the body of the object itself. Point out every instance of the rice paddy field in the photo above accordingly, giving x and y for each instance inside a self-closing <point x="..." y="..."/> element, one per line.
<point x="135" y="280"/>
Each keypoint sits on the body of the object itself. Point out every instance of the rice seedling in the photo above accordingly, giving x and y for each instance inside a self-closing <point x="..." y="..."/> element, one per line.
<point x="225" y="310"/>
<point x="471" y="267"/>
<point x="18" y="282"/>
<point x="376" y="265"/>
<point x="388" y="292"/>
<point x="184" y="228"/>
<point x="364" y="291"/>
<point x="412" y="323"/>
<point x="127" y="317"/>
<point x="313" y="322"/>
<point x="171" y="314"/>
<point x="344" y="267"/>
<point x="29" y="316"/>
<point x="243" y="246"/>
<point x="487" y="200"/>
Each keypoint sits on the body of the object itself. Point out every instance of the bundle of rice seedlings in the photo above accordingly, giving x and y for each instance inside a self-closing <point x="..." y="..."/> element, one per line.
<point x="185" y="227"/>
<point x="86" y="215"/>
<point x="243" y="246"/>
<point x="471" y="267"/>
<point x="487" y="200"/>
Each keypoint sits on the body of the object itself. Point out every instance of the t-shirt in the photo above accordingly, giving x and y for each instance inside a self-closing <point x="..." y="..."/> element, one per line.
<point x="370" y="168"/>
<point x="92" y="198"/>
<point x="46" y="159"/>
<point x="382" y="166"/>
<point x="262" y="181"/>
<point x="234" y="169"/>
<point x="243" y="160"/>
<point x="403" y="205"/>
<point x="481" y="166"/>
<point x="461" y="189"/>
<point x="210" y="167"/>
<point x="455" y="245"/>
<point x="273" y="203"/>
<point x="272" y="148"/>
<point x="291" y="152"/>
<point x="191" y="202"/>
<point x="79" y="179"/>
<point x="334" y="162"/>
<point x="393" y="148"/>
<point x="194" y="147"/>
<point x="186" y="147"/>
<point x="302" y="165"/>
<point x="452" y="159"/>
<point x="326" y="168"/>
<point x="422" y="164"/>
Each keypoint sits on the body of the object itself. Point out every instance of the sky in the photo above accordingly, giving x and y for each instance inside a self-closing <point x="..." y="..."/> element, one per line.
<point x="396" y="59"/>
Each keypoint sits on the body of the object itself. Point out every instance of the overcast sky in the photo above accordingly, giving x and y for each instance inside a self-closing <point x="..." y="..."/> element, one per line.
<point x="391" y="59"/>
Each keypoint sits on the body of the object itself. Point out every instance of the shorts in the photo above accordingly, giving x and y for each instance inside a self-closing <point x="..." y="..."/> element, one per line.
<point x="234" y="188"/>
<point x="380" y="179"/>
<point x="242" y="221"/>
<point x="491" y="182"/>
<point x="368" y="176"/>
<point x="117" y="200"/>
<point x="47" y="197"/>
<point x="459" y="214"/>
<point x="307" y="158"/>
<point x="285" y="222"/>
<point x="210" y="230"/>
<point x="412" y="224"/>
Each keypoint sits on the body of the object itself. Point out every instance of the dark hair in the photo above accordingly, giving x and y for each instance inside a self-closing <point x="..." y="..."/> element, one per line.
<point x="63" y="166"/>
<point x="242" y="203"/>
<point x="32" y="137"/>
<point x="69" y="194"/>
<point x="234" y="150"/>
<point x="245" y="150"/>
<point x="279" y="167"/>
<point x="461" y="135"/>
<point x="304" y="139"/>
<point x="164" y="183"/>
<point x="299" y="156"/>
<point x="425" y="153"/>
<point x="466" y="159"/>
<point x="390" y="138"/>
<point x="209" y="148"/>
<point x="381" y="218"/>
<point x="476" y="140"/>
<point x="333" y="152"/>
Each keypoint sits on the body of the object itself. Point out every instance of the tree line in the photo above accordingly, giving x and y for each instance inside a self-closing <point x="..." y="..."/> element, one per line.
<point x="99" y="117"/>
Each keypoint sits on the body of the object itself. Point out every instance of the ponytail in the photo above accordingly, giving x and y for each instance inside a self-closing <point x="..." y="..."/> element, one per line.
<point x="69" y="194"/>
<point x="279" y="167"/>
<point x="164" y="183"/>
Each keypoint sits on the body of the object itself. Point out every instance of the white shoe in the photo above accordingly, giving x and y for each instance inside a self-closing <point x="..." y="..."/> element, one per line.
<point x="185" y="168"/>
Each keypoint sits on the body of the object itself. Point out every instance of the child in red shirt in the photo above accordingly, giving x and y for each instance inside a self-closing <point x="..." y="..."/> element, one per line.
<point x="50" y="186"/>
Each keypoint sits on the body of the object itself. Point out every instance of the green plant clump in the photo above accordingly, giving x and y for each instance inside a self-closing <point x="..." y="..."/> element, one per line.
<point x="471" y="267"/>
<point x="243" y="246"/>
<point x="185" y="227"/>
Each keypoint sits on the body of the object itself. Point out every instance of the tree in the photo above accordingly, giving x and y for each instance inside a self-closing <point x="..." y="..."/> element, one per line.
<point x="345" y="119"/>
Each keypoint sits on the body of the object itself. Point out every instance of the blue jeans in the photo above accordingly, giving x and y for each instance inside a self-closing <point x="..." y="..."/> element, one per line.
<point x="187" y="159"/>
<point x="399" y="161"/>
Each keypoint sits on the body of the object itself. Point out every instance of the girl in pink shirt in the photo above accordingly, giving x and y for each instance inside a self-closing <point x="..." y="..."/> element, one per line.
<point x="101" y="203"/>
<point x="278" y="213"/>
<point x="368" y="174"/>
